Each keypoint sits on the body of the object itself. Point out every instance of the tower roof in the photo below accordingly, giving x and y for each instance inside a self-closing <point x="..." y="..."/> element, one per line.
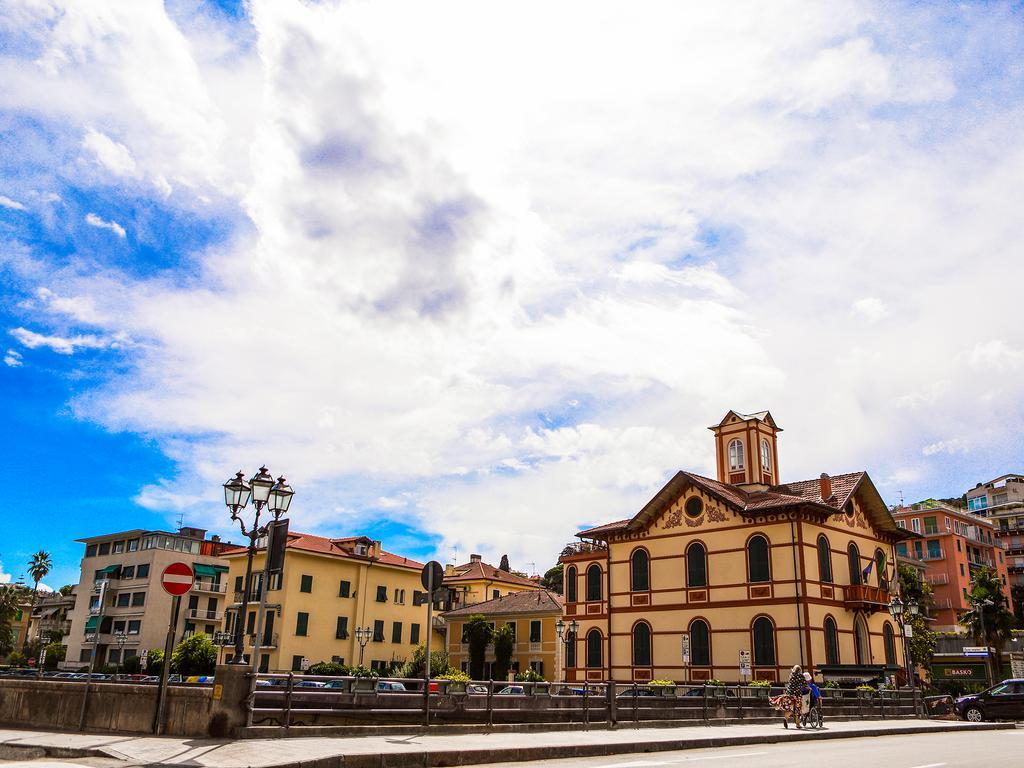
<point x="764" y="416"/>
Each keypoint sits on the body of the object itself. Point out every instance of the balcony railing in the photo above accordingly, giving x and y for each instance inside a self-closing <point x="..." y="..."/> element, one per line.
<point x="210" y="586"/>
<point x="934" y="554"/>
<point x="267" y="641"/>
<point x="581" y="548"/>
<point x="254" y="595"/>
<point x="941" y="604"/>
<point x="865" y="598"/>
<point x="937" y="578"/>
<point x="199" y="613"/>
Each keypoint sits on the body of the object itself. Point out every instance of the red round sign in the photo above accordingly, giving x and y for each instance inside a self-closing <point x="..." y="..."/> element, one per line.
<point x="177" y="579"/>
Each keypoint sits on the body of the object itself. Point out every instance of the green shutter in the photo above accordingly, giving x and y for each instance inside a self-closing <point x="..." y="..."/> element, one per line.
<point x="202" y="569"/>
<point x="92" y="623"/>
<point x="110" y="570"/>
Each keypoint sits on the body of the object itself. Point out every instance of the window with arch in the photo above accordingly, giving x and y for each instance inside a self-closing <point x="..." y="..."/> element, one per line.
<point x="700" y="643"/>
<point x="758" y="567"/>
<point x="766" y="456"/>
<point x="736" y="454"/>
<point x="853" y="555"/>
<point x="642" y="645"/>
<point x="880" y="566"/>
<point x="824" y="559"/>
<point x="639" y="571"/>
<point x="696" y="565"/>
<point x="571" y="586"/>
<point x="570" y="653"/>
<point x="861" y="640"/>
<point x="594" y="649"/>
<point x="831" y="641"/>
<point x="593" y="582"/>
<point x="764" y="642"/>
<point x="890" y="644"/>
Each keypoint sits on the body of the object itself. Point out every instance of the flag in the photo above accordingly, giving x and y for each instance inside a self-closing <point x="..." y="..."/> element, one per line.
<point x="867" y="572"/>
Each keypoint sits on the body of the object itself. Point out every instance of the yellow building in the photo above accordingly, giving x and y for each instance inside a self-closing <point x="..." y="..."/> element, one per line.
<point x="795" y="573"/>
<point x="330" y="587"/>
<point x="532" y="616"/>
<point x="477" y="581"/>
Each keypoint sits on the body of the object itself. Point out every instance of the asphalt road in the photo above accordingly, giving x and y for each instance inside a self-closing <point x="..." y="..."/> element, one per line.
<point x="987" y="749"/>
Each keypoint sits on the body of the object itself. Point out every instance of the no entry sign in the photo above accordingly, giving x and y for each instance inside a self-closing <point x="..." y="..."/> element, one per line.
<point x="177" y="579"/>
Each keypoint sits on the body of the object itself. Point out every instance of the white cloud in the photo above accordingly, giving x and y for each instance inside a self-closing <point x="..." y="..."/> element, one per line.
<point x="13" y="359"/>
<point x="65" y="345"/>
<point x="112" y="155"/>
<point x="95" y="221"/>
<point x="7" y="202"/>
<point x="952" y="446"/>
<point x="516" y="293"/>
<point x="5" y="578"/>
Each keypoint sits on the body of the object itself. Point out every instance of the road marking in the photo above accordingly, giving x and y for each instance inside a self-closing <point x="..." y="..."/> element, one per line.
<point x="928" y="765"/>
<point x="650" y="764"/>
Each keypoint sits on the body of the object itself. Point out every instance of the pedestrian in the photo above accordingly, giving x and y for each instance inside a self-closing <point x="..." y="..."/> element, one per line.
<point x="813" y="696"/>
<point x="791" y="701"/>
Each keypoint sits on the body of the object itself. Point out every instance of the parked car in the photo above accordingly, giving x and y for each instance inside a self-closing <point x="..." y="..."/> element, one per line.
<point x="307" y="684"/>
<point x="1004" y="701"/>
<point x="713" y="690"/>
<point x="476" y="688"/>
<point x="629" y="693"/>
<point x="385" y="686"/>
<point x="511" y="690"/>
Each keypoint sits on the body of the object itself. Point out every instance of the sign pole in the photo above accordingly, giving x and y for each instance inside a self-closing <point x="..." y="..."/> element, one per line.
<point x="161" y="694"/>
<point x="101" y="589"/>
<point x="430" y="631"/>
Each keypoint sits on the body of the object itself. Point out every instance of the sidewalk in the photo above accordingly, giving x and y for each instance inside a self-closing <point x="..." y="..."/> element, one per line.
<point x="431" y="750"/>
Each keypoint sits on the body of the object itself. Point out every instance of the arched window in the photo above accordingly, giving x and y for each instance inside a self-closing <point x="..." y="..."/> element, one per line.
<point x="766" y="456"/>
<point x="696" y="565"/>
<point x="824" y="559"/>
<point x="736" y="454"/>
<point x="758" y="568"/>
<point x="593" y="582"/>
<point x="880" y="566"/>
<point x="570" y="584"/>
<point x="570" y="653"/>
<point x="594" y="649"/>
<point x="639" y="571"/>
<point x="861" y="640"/>
<point x="764" y="642"/>
<point x="831" y="641"/>
<point x="700" y="643"/>
<point x="642" y="645"/>
<point x="853" y="555"/>
<point x="890" y="644"/>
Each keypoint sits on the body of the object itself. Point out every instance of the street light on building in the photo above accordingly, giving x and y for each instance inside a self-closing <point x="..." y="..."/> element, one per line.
<point x="363" y="635"/>
<point x="899" y="610"/>
<point x="264" y="493"/>
<point x="566" y="636"/>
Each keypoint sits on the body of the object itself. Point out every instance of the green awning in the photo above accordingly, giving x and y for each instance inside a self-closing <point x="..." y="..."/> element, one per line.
<point x="202" y="569"/>
<point x="110" y="570"/>
<point x="92" y="623"/>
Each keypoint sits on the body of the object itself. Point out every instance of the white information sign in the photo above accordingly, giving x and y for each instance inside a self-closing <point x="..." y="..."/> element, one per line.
<point x="686" y="648"/>
<point x="745" y="665"/>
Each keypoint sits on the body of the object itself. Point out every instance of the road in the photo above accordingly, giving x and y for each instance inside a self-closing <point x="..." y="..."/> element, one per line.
<point x="988" y="749"/>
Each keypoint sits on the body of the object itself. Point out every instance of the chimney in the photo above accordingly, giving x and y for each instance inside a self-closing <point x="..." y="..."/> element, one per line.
<point x="826" y="487"/>
<point x="475" y="558"/>
<point x="449" y="570"/>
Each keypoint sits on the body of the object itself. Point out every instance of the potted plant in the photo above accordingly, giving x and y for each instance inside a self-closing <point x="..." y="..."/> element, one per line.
<point x="365" y="679"/>
<point x="831" y="690"/>
<point x="456" y="681"/>
<point x="716" y="688"/>
<point x="538" y="685"/>
<point x="865" y="691"/>
<point x="664" y="687"/>
<point x="761" y="688"/>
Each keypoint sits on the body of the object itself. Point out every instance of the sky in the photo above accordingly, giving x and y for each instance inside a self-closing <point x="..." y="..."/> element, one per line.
<point x="473" y="276"/>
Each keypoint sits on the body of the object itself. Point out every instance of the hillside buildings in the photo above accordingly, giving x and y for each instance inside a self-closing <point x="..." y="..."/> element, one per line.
<point x="954" y="545"/>
<point x="1002" y="502"/>
<point x="136" y="612"/>
<point x="789" y="573"/>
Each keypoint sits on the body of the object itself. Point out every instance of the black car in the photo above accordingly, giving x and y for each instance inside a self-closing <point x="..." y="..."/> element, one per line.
<point x="1004" y="701"/>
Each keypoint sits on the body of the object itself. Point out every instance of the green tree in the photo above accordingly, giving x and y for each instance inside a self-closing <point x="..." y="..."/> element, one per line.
<point x="155" y="661"/>
<point x="477" y="634"/>
<point x="38" y="566"/>
<point x="416" y="666"/>
<point x="553" y="579"/>
<point x="67" y="589"/>
<point x="503" y="565"/>
<point x="504" y="645"/>
<point x="55" y="653"/>
<point x="990" y="610"/>
<point x="196" y="655"/>
<point x="913" y="587"/>
<point x="16" y="659"/>
<point x="10" y="603"/>
<point x="132" y="665"/>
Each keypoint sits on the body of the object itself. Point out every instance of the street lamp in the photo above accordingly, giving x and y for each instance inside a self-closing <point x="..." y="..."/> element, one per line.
<point x="979" y="608"/>
<point x="897" y="609"/>
<point x="263" y="492"/>
<point x="363" y="635"/>
<point x="566" y="638"/>
<point x="121" y="638"/>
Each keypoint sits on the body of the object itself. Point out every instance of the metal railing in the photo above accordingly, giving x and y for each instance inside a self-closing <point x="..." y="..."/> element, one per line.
<point x="199" y="613"/>
<point x="297" y="699"/>
<point x="937" y="578"/>
<point x="209" y="586"/>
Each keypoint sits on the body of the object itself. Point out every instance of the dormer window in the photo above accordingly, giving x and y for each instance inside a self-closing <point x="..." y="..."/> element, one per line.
<point x="361" y="549"/>
<point x="736" y="455"/>
<point x="766" y="456"/>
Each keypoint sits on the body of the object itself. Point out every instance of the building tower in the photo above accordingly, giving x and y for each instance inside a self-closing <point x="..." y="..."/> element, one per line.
<point x="746" y="449"/>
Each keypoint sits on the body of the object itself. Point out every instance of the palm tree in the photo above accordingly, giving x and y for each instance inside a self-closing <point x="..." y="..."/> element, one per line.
<point x="38" y="566"/>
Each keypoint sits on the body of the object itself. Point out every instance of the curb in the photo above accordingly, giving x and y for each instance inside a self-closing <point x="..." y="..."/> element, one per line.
<point x="420" y="759"/>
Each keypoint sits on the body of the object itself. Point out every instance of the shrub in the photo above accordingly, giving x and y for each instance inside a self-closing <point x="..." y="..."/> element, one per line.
<point x="529" y="676"/>
<point x="455" y="676"/>
<point x="760" y="684"/>
<point x="831" y="684"/>
<point x="329" y="668"/>
<point x="361" y="671"/>
<point x="504" y="647"/>
<point x="662" y="682"/>
<point x="16" y="659"/>
<point x="132" y="665"/>
<point x="196" y="655"/>
<point x="714" y="681"/>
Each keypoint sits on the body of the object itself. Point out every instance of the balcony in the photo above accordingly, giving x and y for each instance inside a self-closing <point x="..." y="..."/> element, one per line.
<point x="942" y="604"/>
<point x="861" y="597"/>
<point x="937" y="578"/>
<point x="267" y="641"/>
<point x="199" y="613"/>
<point x="575" y="548"/>
<point x="203" y="585"/>
<point x="933" y="554"/>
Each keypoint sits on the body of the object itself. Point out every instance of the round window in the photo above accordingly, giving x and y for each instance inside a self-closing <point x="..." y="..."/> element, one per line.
<point x="694" y="507"/>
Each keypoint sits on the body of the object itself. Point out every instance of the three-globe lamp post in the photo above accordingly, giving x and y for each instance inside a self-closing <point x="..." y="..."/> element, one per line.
<point x="567" y="636"/>
<point x="264" y="492"/>
<point x="898" y="610"/>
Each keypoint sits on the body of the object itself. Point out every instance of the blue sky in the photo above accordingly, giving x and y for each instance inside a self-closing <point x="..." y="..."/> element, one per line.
<point x="473" y="308"/>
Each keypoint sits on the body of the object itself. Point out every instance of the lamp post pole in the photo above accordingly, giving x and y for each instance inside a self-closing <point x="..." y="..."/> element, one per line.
<point x="979" y="606"/>
<point x="362" y="637"/>
<point x="566" y="638"/>
<point x="896" y="609"/>
<point x="121" y="639"/>
<point x="263" y="492"/>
